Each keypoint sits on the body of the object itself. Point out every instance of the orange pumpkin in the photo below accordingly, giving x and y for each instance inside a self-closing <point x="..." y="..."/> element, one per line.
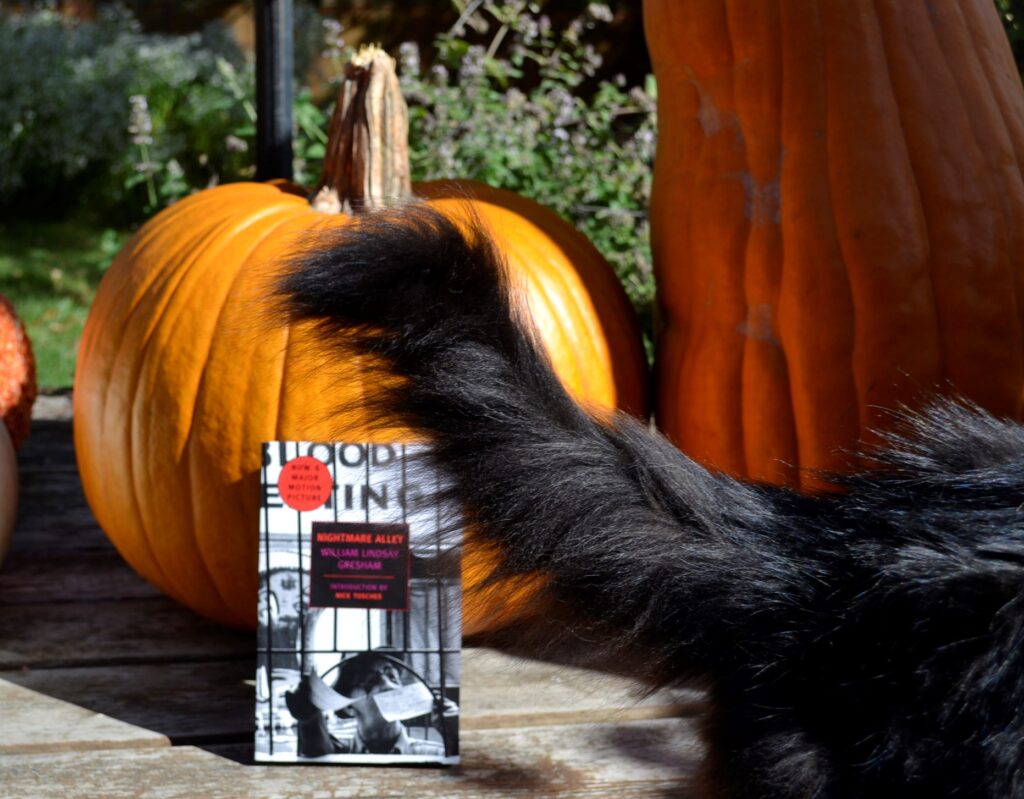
<point x="17" y="374"/>
<point x="180" y="375"/>
<point x="837" y="222"/>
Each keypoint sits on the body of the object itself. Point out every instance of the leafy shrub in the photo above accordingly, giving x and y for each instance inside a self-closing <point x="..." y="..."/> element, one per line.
<point x="61" y="88"/>
<point x="190" y="118"/>
<point x="512" y="102"/>
<point x="127" y="122"/>
<point x="69" y="131"/>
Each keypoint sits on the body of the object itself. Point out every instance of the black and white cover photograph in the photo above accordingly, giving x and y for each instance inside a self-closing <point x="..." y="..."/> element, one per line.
<point x="359" y="609"/>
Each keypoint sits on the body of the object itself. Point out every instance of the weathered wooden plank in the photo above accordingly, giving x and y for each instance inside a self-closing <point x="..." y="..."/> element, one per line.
<point x="33" y="722"/>
<point x="127" y="631"/>
<point x="187" y="702"/>
<point x="624" y="761"/>
<point x="52" y="512"/>
<point x="50" y="444"/>
<point x="87" y="576"/>
<point x="204" y="702"/>
<point x="502" y="691"/>
<point x="53" y="407"/>
<point x="49" y="449"/>
<point x="53" y="515"/>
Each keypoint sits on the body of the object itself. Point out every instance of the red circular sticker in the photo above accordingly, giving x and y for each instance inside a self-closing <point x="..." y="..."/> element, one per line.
<point x="305" y="483"/>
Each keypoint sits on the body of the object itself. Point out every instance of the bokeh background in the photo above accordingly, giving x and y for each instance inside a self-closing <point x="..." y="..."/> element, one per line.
<point x="111" y="111"/>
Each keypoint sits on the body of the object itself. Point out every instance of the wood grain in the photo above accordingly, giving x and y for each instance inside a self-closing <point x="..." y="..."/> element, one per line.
<point x="88" y="576"/>
<point x="107" y="688"/>
<point x="189" y="703"/>
<point x="36" y="723"/>
<point x="639" y="759"/>
<point x="112" y="632"/>
<point x="53" y="515"/>
<point x="49" y="445"/>
<point x="211" y="702"/>
<point x="502" y="691"/>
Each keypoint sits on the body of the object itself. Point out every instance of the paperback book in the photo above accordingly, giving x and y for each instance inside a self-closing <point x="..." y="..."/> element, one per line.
<point x="359" y="625"/>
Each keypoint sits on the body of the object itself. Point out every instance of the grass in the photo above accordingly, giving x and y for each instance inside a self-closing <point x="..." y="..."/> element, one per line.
<point x="50" y="271"/>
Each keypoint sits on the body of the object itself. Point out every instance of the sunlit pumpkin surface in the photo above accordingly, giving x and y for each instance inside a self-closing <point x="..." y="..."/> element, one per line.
<point x="183" y="372"/>
<point x="837" y="223"/>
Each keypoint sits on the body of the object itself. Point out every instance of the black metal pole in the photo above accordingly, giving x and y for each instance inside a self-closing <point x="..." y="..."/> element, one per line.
<point x="274" y="66"/>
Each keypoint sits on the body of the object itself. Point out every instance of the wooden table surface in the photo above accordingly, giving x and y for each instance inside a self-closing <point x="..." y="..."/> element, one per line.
<point x="108" y="689"/>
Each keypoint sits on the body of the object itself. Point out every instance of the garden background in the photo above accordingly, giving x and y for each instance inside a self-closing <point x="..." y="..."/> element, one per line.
<point x="110" y="111"/>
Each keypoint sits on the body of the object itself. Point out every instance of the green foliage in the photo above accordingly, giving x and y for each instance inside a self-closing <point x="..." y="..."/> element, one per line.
<point x="60" y="89"/>
<point x="70" y="130"/>
<point x="125" y="122"/>
<point x="310" y="141"/>
<point x="512" y="102"/>
<point x="190" y="120"/>
<point x="50" y="272"/>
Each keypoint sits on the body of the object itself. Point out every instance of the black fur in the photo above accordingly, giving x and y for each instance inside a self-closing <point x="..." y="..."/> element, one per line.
<point x="866" y="643"/>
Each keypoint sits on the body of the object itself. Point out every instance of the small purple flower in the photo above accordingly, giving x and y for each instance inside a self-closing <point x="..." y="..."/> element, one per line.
<point x="472" y="66"/>
<point x="575" y="30"/>
<point x="235" y="145"/>
<point x="530" y="29"/>
<point x="334" y="43"/>
<point x="140" y="123"/>
<point x="439" y="72"/>
<point x="409" y="58"/>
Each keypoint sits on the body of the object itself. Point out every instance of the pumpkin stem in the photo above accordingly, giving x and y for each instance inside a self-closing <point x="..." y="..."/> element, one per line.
<point x="367" y="160"/>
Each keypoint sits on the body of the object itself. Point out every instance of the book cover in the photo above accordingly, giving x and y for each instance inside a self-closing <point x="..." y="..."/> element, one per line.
<point x="359" y="607"/>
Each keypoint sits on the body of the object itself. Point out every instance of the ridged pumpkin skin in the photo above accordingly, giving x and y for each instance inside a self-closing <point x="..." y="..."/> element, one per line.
<point x="837" y="222"/>
<point x="181" y="372"/>
<point x="17" y="374"/>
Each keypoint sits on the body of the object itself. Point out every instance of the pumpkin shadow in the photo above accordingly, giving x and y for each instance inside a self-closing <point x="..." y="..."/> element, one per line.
<point x="80" y="626"/>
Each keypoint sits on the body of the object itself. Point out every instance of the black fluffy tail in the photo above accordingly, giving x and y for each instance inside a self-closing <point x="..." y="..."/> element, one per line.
<point x="606" y="511"/>
<point x="852" y="643"/>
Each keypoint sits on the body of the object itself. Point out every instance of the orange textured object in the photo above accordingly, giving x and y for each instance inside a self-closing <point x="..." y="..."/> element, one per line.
<point x="17" y="374"/>
<point x="837" y="223"/>
<point x="182" y="374"/>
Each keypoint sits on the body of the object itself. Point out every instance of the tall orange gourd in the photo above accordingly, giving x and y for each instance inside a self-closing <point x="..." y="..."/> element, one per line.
<point x="838" y="222"/>
<point x="181" y="374"/>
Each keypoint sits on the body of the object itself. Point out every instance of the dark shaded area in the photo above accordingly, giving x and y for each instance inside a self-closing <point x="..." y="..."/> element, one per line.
<point x="1012" y="14"/>
<point x="63" y="582"/>
<point x="201" y="698"/>
<point x="390" y="23"/>
<point x="880" y="627"/>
